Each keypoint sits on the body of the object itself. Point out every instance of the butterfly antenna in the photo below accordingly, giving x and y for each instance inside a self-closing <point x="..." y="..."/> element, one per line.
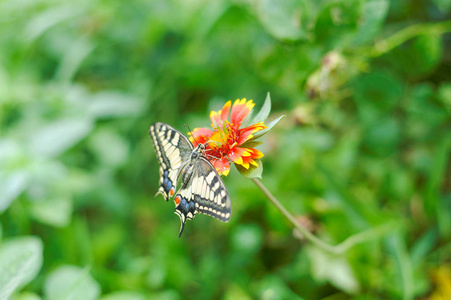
<point x="189" y="129"/>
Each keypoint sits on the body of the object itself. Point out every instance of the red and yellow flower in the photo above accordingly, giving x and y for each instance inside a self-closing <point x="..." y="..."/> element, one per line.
<point x="226" y="141"/>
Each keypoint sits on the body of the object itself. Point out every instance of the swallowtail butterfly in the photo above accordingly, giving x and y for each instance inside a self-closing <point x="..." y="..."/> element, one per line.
<point x="201" y="190"/>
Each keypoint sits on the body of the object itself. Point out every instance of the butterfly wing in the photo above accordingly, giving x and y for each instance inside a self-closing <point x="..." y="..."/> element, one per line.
<point x="204" y="193"/>
<point x="173" y="151"/>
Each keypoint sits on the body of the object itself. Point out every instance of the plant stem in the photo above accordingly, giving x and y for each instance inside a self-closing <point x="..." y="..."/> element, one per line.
<point x="400" y="37"/>
<point x="337" y="249"/>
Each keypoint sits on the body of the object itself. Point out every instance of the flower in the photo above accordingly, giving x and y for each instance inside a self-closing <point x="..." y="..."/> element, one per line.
<point x="226" y="142"/>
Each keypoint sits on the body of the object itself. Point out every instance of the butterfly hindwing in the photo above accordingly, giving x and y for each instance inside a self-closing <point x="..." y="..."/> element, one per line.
<point x="173" y="151"/>
<point x="205" y="193"/>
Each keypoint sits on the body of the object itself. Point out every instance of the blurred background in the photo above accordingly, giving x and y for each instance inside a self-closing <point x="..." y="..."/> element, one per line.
<point x="365" y="147"/>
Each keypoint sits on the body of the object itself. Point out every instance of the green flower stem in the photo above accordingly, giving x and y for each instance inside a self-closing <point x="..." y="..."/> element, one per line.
<point x="402" y="36"/>
<point x="337" y="249"/>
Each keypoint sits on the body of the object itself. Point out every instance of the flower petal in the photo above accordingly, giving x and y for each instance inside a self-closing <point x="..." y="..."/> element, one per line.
<point x="240" y="110"/>
<point x="225" y="111"/>
<point x="199" y="135"/>
<point x="255" y="154"/>
<point x="215" y="117"/>
<point x="218" y="139"/>
<point x="235" y="155"/>
<point x="201" y="132"/>
<point x="222" y="165"/>
<point x="246" y="153"/>
<point x="249" y="161"/>
<point x="253" y="162"/>
<point x="245" y="164"/>
<point x="246" y="133"/>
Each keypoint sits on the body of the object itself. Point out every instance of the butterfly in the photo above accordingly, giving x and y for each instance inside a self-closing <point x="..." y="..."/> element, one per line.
<point x="201" y="189"/>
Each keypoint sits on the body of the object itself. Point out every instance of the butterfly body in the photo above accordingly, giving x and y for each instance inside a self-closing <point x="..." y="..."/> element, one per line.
<point x="201" y="188"/>
<point x="188" y="169"/>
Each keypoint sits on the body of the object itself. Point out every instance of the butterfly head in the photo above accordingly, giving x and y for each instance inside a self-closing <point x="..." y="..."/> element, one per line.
<point x="198" y="151"/>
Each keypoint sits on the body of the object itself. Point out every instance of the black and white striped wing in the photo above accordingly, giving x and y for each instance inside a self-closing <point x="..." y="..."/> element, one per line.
<point x="205" y="193"/>
<point x="173" y="151"/>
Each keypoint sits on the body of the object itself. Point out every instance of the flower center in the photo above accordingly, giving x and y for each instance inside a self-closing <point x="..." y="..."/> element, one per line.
<point x="222" y="141"/>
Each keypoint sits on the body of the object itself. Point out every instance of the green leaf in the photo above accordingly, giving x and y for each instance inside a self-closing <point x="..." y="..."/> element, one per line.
<point x="372" y="19"/>
<point x="422" y="246"/>
<point x="27" y="296"/>
<point x="124" y="295"/>
<point x="71" y="282"/>
<point x="428" y="49"/>
<point x="264" y="111"/>
<point x="156" y="274"/>
<point x="274" y="287"/>
<point x="419" y="57"/>
<point x="11" y="186"/>
<point x="332" y="268"/>
<point x="20" y="261"/>
<point x="253" y="171"/>
<point x="433" y="203"/>
<point x="73" y="58"/>
<point x="41" y="22"/>
<point x="102" y="140"/>
<point x="444" y="94"/>
<point x="115" y="104"/>
<point x="247" y="239"/>
<point x="264" y="131"/>
<point x="443" y="5"/>
<point x="55" y="138"/>
<point x="56" y="212"/>
<point x="251" y="144"/>
<point x="405" y="282"/>
<point x="284" y="19"/>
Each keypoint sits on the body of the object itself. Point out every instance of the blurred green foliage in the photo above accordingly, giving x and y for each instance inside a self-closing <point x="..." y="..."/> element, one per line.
<point x="365" y="85"/>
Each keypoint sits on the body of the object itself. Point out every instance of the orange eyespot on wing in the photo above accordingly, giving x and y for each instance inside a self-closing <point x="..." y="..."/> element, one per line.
<point x="177" y="200"/>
